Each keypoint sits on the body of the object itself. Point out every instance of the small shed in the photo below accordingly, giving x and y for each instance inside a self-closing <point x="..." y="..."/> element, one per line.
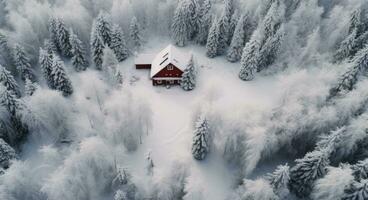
<point x="144" y="61"/>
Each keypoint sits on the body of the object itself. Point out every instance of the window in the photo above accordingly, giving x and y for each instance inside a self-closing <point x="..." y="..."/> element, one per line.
<point x="165" y="55"/>
<point x="159" y="81"/>
<point x="170" y="67"/>
<point x="171" y="82"/>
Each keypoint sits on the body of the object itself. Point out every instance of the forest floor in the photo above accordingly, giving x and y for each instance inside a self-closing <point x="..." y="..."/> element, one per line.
<point x="173" y="110"/>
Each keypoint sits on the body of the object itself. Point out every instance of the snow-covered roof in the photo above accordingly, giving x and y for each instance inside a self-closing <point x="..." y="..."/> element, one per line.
<point x="169" y="55"/>
<point x="144" y="59"/>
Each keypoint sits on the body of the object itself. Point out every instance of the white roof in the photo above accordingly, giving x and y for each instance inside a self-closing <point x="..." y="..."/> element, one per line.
<point x="169" y="55"/>
<point x="144" y="59"/>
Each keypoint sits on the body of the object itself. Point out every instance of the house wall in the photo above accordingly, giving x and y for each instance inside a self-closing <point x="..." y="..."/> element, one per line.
<point x="165" y="72"/>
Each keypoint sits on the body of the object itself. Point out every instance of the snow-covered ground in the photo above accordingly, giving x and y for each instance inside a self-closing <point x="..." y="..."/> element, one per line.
<point x="173" y="110"/>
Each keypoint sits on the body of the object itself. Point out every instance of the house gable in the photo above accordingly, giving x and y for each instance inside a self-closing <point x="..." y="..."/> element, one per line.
<point x="165" y="72"/>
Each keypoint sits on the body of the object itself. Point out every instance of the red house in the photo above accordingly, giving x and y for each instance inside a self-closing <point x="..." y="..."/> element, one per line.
<point x="166" y="67"/>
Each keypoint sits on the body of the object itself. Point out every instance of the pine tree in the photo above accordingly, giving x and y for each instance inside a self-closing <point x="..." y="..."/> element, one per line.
<point x="360" y="170"/>
<point x="79" y="60"/>
<point x="109" y="60"/>
<point x="23" y="64"/>
<point x="249" y="61"/>
<point x="135" y="33"/>
<point x="46" y="67"/>
<point x="103" y="28"/>
<point x="307" y="170"/>
<point x="118" y="43"/>
<point x="30" y="87"/>
<point x="224" y="27"/>
<point x="8" y="81"/>
<point x="238" y="41"/>
<point x="60" y="78"/>
<point x="120" y="195"/>
<point x="200" y="145"/>
<point x="270" y="50"/>
<point x="64" y="39"/>
<point x="49" y="47"/>
<point x="188" y="81"/>
<point x="357" y="191"/>
<point x="193" y="7"/>
<point x="5" y="50"/>
<point x="272" y="21"/>
<point x="279" y="181"/>
<point x="348" y="80"/>
<point x="233" y="23"/>
<point x="181" y="25"/>
<point x="205" y="18"/>
<point x="357" y="38"/>
<point x="213" y="40"/>
<point x="9" y="101"/>
<point x="332" y="141"/>
<point x="119" y="79"/>
<point x="53" y="29"/>
<point x="97" y="48"/>
<point x="149" y="164"/>
<point x="7" y="153"/>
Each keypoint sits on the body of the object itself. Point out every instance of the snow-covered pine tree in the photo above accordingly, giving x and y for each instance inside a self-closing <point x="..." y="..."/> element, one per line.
<point x="118" y="43"/>
<point x="149" y="164"/>
<point x="64" y="39"/>
<point x="53" y="30"/>
<point x="348" y="80"/>
<point x="272" y="21"/>
<point x="360" y="170"/>
<point x="249" y="60"/>
<point x="188" y="81"/>
<point x="45" y="60"/>
<point x="97" y="48"/>
<point x="8" y="81"/>
<point x="120" y="195"/>
<point x="332" y="185"/>
<point x="357" y="38"/>
<point x="109" y="65"/>
<point x="7" y="153"/>
<point x="233" y="23"/>
<point x="79" y="60"/>
<point x="181" y="24"/>
<point x="194" y="18"/>
<point x="332" y="141"/>
<point x="200" y="145"/>
<point x="135" y="33"/>
<point x="213" y="40"/>
<point x="279" y="181"/>
<point x="49" y="46"/>
<point x="9" y="101"/>
<point x="270" y="50"/>
<point x="307" y="170"/>
<point x="357" y="191"/>
<point x="23" y="64"/>
<point x="224" y="27"/>
<point x="119" y="79"/>
<point x="5" y="51"/>
<point x="205" y="18"/>
<point x="30" y="87"/>
<point x="238" y="41"/>
<point x="103" y="28"/>
<point x="61" y="79"/>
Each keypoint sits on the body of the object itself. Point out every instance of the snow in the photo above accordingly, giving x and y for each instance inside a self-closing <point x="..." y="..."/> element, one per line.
<point x="144" y="59"/>
<point x="171" y="136"/>
<point x="168" y="55"/>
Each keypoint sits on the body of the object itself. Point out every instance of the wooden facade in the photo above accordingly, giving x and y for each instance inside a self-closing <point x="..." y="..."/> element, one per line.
<point x="169" y="75"/>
